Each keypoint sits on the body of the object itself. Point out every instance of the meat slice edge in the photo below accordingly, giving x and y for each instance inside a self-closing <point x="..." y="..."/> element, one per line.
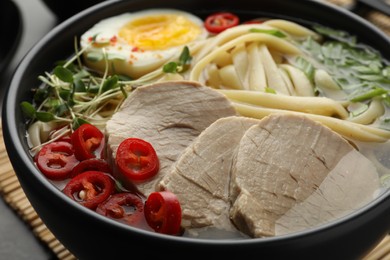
<point x="279" y="163"/>
<point x="169" y="115"/>
<point x="201" y="176"/>
<point x="350" y="185"/>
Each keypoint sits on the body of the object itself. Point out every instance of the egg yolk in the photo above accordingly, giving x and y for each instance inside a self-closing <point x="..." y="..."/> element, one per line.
<point x="159" y="32"/>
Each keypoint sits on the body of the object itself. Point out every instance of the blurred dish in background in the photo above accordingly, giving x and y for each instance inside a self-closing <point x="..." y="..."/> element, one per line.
<point x="65" y="9"/>
<point x="11" y="28"/>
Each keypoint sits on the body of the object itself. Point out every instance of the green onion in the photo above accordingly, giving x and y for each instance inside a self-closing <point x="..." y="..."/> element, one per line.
<point x="270" y="90"/>
<point x="273" y="32"/>
<point x="359" y="70"/>
<point x="369" y="95"/>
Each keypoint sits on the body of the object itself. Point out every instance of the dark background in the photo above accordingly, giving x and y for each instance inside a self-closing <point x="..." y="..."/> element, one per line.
<point x="17" y="242"/>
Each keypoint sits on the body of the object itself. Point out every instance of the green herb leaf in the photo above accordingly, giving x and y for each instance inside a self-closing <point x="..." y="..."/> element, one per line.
<point x="44" y="116"/>
<point x="64" y="94"/>
<point x="61" y="110"/>
<point x="79" y="86"/>
<point x="52" y="103"/>
<point x="170" y="67"/>
<point x="93" y="89"/>
<point x="41" y="94"/>
<point x="110" y="83"/>
<point x="77" y="122"/>
<point x="81" y="96"/>
<point x="70" y="66"/>
<point x="180" y="66"/>
<point x="63" y="74"/>
<point x="185" y="57"/>
<point x="28" y="109"/>
<point x="124" y="78"/>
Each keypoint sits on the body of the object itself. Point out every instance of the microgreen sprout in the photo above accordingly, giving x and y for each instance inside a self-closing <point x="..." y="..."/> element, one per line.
<point x="72" y="94"/>
<point x="179" y="66"/>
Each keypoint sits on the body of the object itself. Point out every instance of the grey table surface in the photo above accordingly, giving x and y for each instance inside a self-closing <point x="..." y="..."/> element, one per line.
<point x="16" y="239"/>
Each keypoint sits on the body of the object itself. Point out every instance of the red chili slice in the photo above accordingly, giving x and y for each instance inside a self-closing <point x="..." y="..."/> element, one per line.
<point x="136" y="159"/>
<point x="90" y="188"/>
<point x="93" y="164"/>
<point x="56" y="160"/>
<point x="127" y="208"/>
<point x="163" y="212"/>
<point x="219" y="22"/>
<point x="87" y="141"/>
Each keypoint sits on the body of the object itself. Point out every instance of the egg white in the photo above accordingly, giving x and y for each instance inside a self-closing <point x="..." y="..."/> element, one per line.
<point x="123" y="58"/>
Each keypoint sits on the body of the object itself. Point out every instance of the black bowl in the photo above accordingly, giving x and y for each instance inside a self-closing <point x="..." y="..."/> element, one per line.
<point x="90" y="236"/>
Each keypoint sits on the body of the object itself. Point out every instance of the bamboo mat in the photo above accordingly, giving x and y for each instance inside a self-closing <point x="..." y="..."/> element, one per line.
<point x="13" y="195"/>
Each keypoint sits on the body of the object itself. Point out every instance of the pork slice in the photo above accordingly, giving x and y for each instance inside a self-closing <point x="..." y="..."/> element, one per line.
<point x="279" y="163"/>
<point x="200" y="178"/>
<point x="169" y="115"/>
<point x="350" y="185"/>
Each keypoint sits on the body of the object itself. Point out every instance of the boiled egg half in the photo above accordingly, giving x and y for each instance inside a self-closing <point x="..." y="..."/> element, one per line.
<point x="135" y="44"/>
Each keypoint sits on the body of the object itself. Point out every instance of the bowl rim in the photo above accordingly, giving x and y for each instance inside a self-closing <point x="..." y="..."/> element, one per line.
<point x="14" y="145"/>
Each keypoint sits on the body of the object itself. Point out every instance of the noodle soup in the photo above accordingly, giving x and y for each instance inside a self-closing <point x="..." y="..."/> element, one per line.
<point x="263" y="67"/>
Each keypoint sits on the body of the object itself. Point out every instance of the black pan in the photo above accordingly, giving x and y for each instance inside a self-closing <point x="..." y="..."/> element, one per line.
<point x="90" y="236"/>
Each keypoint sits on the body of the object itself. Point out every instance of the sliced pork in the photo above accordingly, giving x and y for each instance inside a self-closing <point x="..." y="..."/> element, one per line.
<point x="267" y="177"/>
<point x="278" y="169"/>
<point x="169" y="115"/>
<point x="349" y="186"/>
<point x="201" y="176"/>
